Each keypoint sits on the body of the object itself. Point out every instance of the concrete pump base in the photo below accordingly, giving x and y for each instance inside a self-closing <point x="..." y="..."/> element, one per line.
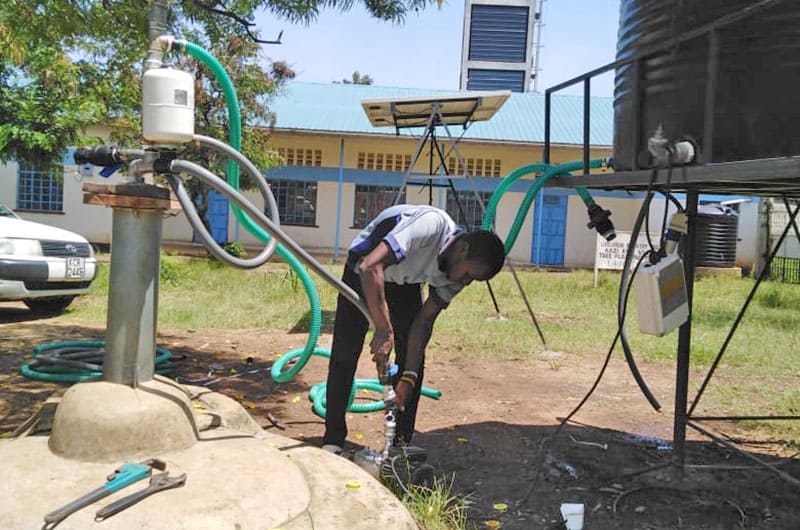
<point x="238" y="476"/>
<point x="105" y="422"/>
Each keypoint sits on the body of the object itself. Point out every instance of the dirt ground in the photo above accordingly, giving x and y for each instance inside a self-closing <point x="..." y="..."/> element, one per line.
<point x="489" y="433"/>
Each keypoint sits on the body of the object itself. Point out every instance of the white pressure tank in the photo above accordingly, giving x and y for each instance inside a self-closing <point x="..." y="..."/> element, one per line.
<point x="167" y="106"/>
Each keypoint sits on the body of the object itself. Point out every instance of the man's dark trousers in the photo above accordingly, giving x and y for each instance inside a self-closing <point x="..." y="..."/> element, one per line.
<point x="349" y="331"/>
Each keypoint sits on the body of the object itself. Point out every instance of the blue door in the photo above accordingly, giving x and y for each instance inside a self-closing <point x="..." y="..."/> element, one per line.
<point x="549" y="229"/>
<point x="217" y="217"/>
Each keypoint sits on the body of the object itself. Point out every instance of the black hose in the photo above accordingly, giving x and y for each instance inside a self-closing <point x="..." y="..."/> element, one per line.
<point x="623" y="289"/>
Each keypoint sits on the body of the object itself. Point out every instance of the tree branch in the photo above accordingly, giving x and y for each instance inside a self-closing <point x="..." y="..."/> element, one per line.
<point x="246" y="24"/>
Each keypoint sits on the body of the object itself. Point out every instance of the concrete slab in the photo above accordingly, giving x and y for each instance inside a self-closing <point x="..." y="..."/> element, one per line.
<point x="238" y="477"/>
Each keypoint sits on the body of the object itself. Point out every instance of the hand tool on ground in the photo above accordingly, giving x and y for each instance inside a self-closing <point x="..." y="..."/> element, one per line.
<point x="125" y="475"/>
<point x="159" y="482"/>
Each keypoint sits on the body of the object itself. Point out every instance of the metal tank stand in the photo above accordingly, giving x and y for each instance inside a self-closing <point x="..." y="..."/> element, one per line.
<point x="767" y="178"/>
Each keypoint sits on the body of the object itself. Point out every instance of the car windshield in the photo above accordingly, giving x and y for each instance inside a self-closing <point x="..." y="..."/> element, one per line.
<point x="5" y="211"/>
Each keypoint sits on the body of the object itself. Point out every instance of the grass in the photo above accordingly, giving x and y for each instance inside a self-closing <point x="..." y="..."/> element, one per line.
<point x="437" y="507"/>
<point x="576" y="318"/>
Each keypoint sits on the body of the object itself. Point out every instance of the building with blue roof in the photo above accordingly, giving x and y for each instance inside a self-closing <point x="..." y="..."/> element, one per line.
<point x="336" y="108"/>
<point x="340" y="170"/>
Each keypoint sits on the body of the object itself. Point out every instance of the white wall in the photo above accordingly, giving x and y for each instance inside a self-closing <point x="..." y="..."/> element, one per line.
<point x="581" y="241"/>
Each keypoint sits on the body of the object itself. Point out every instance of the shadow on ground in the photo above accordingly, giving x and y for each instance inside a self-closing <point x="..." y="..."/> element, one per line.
<point x="624" y="481"/>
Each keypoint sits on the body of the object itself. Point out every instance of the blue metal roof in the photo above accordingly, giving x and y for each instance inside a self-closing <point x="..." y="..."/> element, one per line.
<point x="336" y="108"/>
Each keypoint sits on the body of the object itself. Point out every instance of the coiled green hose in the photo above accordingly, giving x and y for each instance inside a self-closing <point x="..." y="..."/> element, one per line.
<point x="70" y="374"/>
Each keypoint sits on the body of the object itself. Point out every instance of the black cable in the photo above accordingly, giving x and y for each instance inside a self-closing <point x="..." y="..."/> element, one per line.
<point x="624" y="282"/>
<point x="657" y="251"/>
<point x="671" y="198"/>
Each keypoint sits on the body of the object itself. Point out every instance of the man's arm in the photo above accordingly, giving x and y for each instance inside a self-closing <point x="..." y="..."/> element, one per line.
<point x="418" y="337"/>
<point x="370" y="269"/>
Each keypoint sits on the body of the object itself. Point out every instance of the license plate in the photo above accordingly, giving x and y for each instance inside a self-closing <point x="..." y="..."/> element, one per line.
<point x="76" y="267"/>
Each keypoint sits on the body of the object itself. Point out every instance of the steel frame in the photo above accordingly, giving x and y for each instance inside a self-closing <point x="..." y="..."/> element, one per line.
<point x="771" y="177"/>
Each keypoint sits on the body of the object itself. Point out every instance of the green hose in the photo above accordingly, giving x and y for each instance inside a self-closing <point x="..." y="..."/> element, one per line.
<point x="235" y="137"/>
<point x="67" y="374"/>
<point x="501" y="189"/>
<point x="549" y="172"/>
<point x="317" y="396"/>
<point x="235" y="133"/>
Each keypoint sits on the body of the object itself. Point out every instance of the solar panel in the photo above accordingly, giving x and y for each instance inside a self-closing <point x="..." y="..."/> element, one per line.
<point x="415" y="111"/>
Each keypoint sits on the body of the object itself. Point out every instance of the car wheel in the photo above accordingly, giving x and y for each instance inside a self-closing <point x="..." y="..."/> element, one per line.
<point x="51" y="305"/>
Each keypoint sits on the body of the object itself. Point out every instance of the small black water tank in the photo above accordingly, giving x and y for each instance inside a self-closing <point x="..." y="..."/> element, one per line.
<point x="716" y="229"/>
<point x="756" y="106"/>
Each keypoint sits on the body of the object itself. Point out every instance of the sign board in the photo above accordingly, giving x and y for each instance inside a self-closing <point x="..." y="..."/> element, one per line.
<point x="610" y="255"/>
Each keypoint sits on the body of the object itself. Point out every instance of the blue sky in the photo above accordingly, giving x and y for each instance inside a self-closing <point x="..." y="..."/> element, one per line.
<point x="425" y="51"/>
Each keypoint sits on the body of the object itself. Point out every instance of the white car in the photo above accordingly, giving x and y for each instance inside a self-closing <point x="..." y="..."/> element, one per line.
<point x="44" y="266"/>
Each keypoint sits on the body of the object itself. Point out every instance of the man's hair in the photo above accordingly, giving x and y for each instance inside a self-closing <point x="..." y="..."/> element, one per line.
<point x="486" y="247"/>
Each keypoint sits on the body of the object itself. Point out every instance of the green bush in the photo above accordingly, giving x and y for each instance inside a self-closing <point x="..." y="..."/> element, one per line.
<point x="170" y="270"/>
<point x="235" y="249"/>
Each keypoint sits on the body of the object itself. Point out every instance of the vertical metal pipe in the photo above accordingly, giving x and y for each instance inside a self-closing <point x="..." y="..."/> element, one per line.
<point x="712" y="72"/>
<point x="546" y="153"/>
<point x="156" y="26"/>
<point x="587" y="93"/>
<point x="133" y="296"/>
<point x="339" y="199"/>
<point x="685" y="340"/>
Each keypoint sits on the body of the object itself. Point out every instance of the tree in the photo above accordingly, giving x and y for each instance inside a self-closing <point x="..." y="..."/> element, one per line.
<point x="358" y="79"/>
<point x="68" y="64"/>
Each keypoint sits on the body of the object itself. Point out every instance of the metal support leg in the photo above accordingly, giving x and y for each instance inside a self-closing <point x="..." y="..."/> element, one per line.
<point x="685" y="342"/>
<point x="133" y="296"/>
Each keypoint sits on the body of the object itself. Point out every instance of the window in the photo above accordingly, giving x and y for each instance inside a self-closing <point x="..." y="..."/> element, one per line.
<point x="371" y="200"/>
<point x="40" y="190"/>
<point x="383" y="161"/>
<point x="297" y="201"/>
<point x="472" y="216"/>
<point x="301" y="157"/>
<point x="477" y="167"/>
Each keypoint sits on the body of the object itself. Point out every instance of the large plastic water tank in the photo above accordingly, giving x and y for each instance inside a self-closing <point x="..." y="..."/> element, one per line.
<point x="757" y="85"/>
<point x="716" y="234"/>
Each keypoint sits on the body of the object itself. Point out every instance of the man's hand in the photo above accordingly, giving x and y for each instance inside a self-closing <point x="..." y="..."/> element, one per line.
<point x="404" y="389"/>
<point x="403" y="392"/>
<point x="381" y="345"/>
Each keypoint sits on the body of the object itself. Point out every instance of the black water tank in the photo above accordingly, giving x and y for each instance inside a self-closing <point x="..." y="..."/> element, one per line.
<point x="716" y="229"/>
<point x="757" y="103"/>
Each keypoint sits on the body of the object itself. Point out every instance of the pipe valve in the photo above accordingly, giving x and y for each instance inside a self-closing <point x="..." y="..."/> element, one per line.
<point x="599" y="219"/>
<point x="665" y="152"/>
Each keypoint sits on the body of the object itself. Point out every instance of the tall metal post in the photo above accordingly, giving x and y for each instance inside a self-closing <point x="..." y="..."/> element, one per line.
<point x="156" y="26"/>
<point x="587" y="107"/>
<point x="133" y="296"/>
<point x="685" y="341"/>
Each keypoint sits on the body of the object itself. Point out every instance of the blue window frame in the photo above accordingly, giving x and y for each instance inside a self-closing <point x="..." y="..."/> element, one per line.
<point x="297" y="201"/>
<point x="472" y="216"/>
<point x="371" y="200"/>
<point x="40" y="190"/>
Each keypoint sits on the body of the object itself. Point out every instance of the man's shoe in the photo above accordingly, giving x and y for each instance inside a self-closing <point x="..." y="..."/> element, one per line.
<point x="332" y="448"/>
